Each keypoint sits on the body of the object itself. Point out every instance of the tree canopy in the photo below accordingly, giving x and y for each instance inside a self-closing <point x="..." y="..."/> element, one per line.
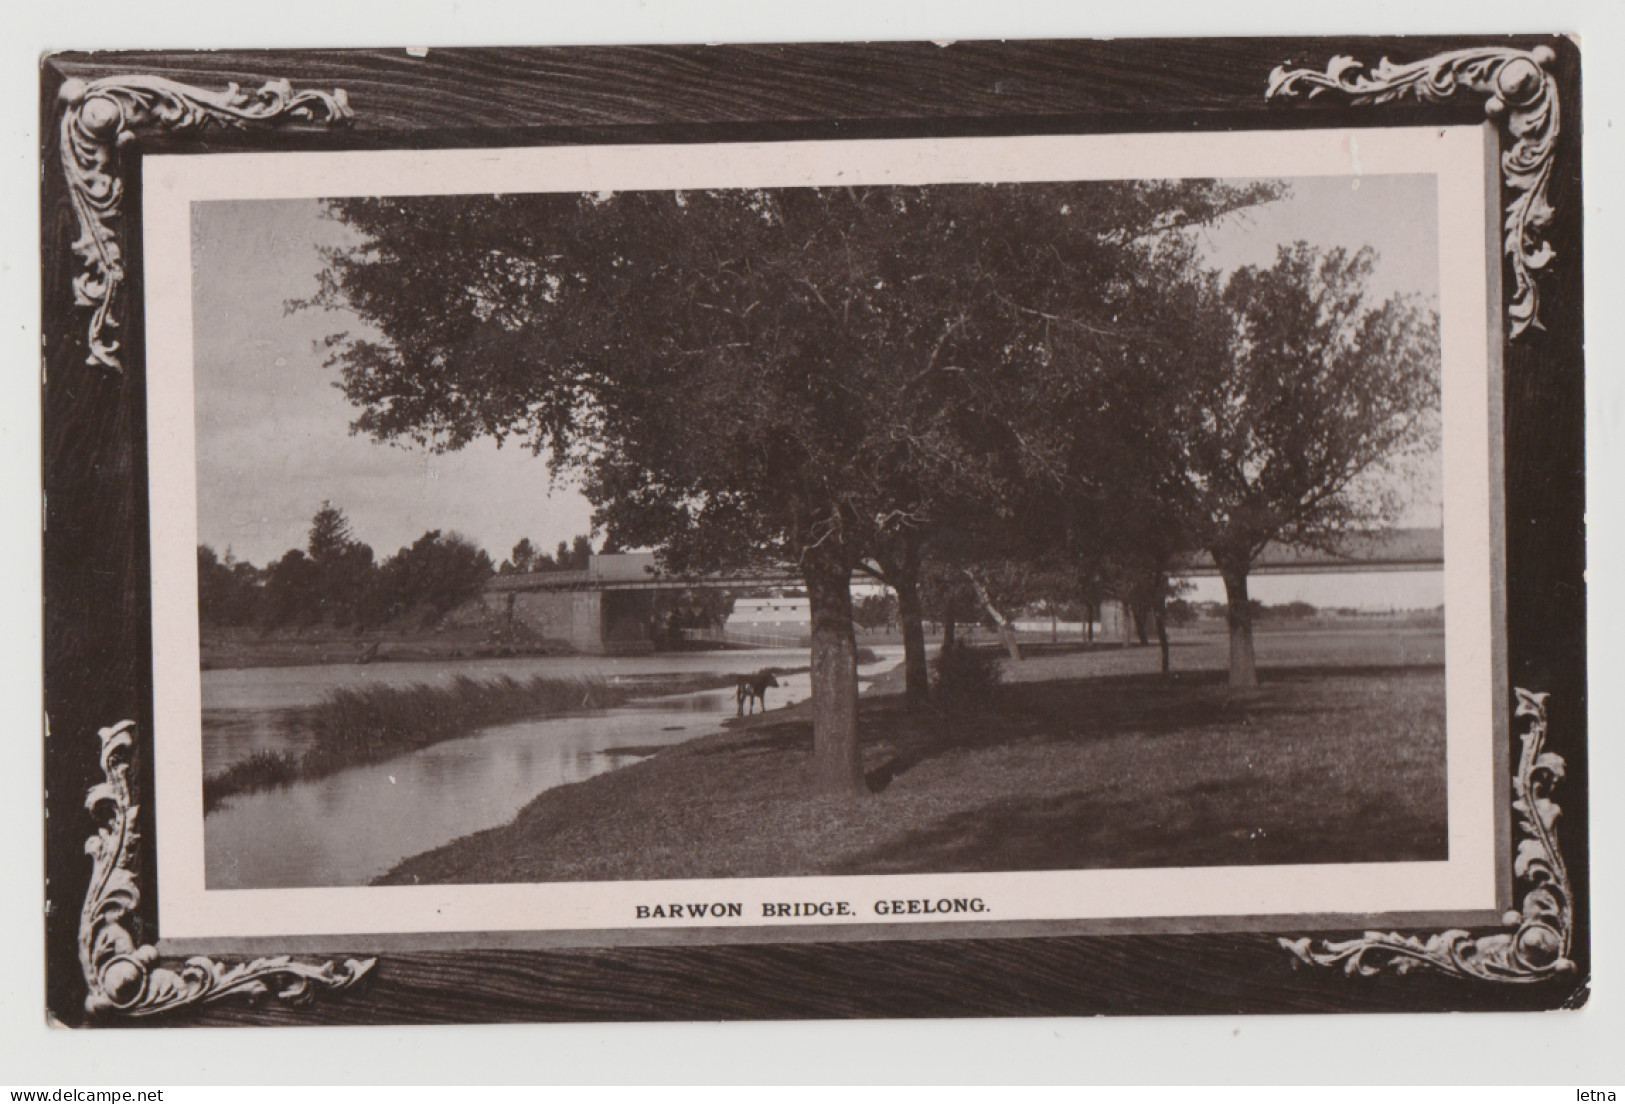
<point x="1295" y="419"/>
<point x="821" y="376"/>
<point x="770" y="355"/>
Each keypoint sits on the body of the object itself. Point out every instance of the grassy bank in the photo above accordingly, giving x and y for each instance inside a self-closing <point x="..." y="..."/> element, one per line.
<point x="222" y="649"/>
<point x="357" y="725"/>
<point x="1069" y="769"/>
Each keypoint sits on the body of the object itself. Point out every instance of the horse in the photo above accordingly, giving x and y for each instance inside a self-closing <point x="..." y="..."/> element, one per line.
<point x="753" y="688"/>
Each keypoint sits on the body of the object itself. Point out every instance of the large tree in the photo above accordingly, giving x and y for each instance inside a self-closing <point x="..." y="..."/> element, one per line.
<point x="817" y="376"/>
<point x="1299" y="416"/>
<point x="343" y="565"/>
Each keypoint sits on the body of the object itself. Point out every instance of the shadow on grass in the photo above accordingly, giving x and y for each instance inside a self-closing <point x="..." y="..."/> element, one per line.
<point x="1078" y="709"/>
<point x="1102" y="707"/>
<point x="1085" y="830"/>
<point x="1318" y="765"/>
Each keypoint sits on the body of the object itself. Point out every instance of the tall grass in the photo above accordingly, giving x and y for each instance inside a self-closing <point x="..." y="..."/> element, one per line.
<point x="260" y="771"/>
<point x="354" y="726"/>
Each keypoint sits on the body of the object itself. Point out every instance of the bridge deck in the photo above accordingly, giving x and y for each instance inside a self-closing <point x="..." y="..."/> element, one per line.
<point x="1391" y="550"/>
<point x="585" y="580"/>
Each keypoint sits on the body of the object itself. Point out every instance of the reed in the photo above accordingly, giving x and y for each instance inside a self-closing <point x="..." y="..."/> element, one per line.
<point x="260" y="771"/>
<point x="354" y="726"/>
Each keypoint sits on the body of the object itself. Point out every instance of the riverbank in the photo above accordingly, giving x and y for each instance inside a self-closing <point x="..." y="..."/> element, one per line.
<point x="1084" y="761"/>
<point x="242" y="649"/>
<point x="356" y="726"/>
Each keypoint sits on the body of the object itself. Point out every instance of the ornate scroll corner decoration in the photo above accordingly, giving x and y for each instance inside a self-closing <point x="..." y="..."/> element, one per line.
<point x="123" y="977"/>
<point x="1519" y="92"/>
<point x="1538" y="939"/>
<point x="103" y="114"/>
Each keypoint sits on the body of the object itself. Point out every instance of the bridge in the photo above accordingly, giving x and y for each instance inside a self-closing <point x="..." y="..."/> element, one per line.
<point x="636" y="571"/>
<point x="1356" y="553"/>
<point x="607" y="607"/>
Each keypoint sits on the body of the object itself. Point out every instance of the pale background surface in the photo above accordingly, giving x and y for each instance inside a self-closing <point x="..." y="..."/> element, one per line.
<point x="1559" y="1050"/>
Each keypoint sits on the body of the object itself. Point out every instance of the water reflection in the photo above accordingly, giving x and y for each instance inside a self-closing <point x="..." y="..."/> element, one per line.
<point x="233" y="734"/>
<point x="350" y="827"/>
<point x="697" y="703"/>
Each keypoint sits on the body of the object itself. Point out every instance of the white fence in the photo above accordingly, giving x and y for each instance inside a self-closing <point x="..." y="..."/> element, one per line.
<point x="749" y="639"/>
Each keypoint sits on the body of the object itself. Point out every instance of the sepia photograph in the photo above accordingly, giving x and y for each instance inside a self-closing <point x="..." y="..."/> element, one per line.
<point x="966" y="510"/>
<point x="1166" y="374"/>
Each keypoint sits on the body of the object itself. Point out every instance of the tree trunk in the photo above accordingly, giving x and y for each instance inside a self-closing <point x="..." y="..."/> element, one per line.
<point x="1243" y="669"/>
<point x="836" y="767"/>
<point x="950" y="622"/>
<point x="1141" y="616"/>
<point x="1006" y="633"/>
<point x="1160" y="613"/>
<point x="906" y="582"/>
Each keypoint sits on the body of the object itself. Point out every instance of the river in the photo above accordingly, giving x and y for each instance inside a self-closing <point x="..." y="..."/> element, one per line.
<point x="349" y="827"/>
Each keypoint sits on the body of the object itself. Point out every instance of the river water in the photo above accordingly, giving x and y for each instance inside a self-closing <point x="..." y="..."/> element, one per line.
<point x="350" y="827"/>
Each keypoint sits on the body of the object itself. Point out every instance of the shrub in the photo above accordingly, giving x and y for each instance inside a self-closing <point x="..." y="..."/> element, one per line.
<point x="966" y="676"/>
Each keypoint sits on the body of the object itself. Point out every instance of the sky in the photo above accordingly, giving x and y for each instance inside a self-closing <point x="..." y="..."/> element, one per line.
<point x="273" y="440"/>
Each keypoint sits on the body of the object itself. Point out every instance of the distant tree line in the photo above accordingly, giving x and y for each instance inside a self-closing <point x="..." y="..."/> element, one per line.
<point x="1182" y="612"/>
<point x="335" y="581"/>
<point x="526" y="557"/>
<point x="1289" y="611"/>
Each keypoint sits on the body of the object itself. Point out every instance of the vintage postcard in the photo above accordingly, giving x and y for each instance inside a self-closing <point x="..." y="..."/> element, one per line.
<point x="979" y="541"/>
<point x="361" y="741"/>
